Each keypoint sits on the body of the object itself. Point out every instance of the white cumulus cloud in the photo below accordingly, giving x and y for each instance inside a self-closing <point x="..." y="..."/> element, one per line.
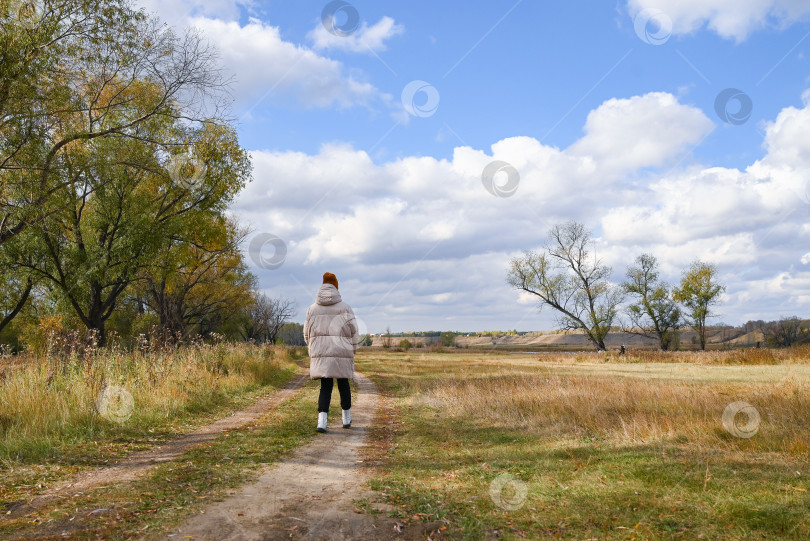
<point x="732" y="19"/>
<point x="410" y="231"/>
<point x="264" y="68"/>
<point x="642" y="131"/>
<point x="264" y="65"/>
<point x="366" y="39"/>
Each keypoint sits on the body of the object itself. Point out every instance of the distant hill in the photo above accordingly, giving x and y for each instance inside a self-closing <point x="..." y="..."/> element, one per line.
<point x="576" y="340"/>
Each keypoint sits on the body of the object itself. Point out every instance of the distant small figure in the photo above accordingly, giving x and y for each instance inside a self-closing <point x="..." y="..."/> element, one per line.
<point x="622" y="350"/>
<point x="757" y="344"/>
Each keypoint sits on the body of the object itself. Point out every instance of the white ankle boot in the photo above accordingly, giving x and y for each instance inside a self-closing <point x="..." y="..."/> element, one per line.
<point x="347" y="418"/>
<point x="321" y="421"/>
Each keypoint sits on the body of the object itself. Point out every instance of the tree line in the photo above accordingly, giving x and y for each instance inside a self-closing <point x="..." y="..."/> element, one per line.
<point x="565" y="277"/>
<point x="118" y="161"/>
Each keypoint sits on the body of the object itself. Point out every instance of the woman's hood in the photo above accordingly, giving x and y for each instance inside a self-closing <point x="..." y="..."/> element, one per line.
<point x="328" y="295"/>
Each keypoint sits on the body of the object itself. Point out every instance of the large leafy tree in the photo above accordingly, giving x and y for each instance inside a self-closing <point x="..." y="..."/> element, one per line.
<point x="699" y="291"/>
<point x="566" y="278"/>
<point x="199" y="280"/>
<point x="97" y="101"/>
<point x="70" y="75"/>
<point x="123" y="206"/>
<point x="653" y="313"/>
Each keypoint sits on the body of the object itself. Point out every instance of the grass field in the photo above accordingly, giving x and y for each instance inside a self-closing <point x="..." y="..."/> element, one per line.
<point x="489" y="444"/>
<point x="584" y="446"/>
<point x="150" y="506"/>
<point x="52" y="427"/>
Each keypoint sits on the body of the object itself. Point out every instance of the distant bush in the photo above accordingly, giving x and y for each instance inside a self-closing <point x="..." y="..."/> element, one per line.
<point x="386" y="341"/>
<point x="292" y="334"/>
<point x="785" y="332"/>
<point x="405" y="344"/>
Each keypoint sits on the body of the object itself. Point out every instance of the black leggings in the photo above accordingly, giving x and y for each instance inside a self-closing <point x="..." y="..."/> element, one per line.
<point x="326" y="394"/>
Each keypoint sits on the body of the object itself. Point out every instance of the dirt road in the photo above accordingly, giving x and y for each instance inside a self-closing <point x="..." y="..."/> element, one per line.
<point x="308" y="495"/>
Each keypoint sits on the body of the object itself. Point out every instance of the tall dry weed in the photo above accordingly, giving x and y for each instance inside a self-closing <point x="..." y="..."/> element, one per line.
<point x="740" y="356"/>
<point x="56" y="397"/>
<point x="625" y="410"/>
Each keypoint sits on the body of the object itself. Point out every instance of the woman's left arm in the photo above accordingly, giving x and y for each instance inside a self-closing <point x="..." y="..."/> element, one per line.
<point x="353" y="329"/>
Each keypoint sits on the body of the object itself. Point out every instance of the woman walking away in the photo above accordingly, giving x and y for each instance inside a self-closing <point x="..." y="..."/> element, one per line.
<point x="330" y="331"/>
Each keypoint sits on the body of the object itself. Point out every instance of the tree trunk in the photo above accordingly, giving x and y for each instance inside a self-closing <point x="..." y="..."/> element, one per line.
<point x="97" y="324"/>
<point x="664" y="338"/>
<point x="702" y="335"/>
<point x="98" y="311"/>
<point x="596" y="341"/>
<point x="169" y="310"/>
<point x="23" y="299"/>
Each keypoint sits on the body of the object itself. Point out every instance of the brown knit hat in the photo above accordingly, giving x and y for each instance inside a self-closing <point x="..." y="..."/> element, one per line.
<point x="329" y="278"/>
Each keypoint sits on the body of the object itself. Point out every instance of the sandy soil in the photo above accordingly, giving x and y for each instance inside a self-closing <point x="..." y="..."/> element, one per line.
<point x="310" y="494"/>
<point x="137" y="464"/>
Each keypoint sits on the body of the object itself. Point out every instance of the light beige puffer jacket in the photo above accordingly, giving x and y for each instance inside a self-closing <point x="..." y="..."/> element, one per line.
<point x="330" y="331"/>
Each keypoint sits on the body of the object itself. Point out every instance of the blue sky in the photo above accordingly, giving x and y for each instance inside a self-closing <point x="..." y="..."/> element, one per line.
<point x="537" y="65"/>
<point x="602" y="126"/>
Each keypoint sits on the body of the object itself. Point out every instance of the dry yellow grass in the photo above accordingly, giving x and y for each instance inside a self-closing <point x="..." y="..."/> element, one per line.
<point x="600" y="450"/>
<point x="50" y="396"/>
<point x="571" y="396"/>
<point x="627" y="410"/>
